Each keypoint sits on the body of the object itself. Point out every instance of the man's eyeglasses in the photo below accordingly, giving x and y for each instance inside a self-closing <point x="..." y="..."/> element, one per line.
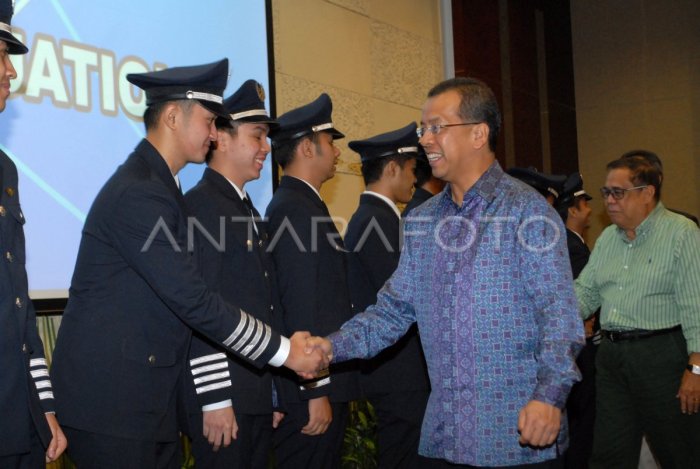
<point x="617" y="193"/>
<point x="436" y="128"/>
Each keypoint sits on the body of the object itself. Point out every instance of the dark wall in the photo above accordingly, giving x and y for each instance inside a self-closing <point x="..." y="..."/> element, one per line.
<point x="523" y="50"/>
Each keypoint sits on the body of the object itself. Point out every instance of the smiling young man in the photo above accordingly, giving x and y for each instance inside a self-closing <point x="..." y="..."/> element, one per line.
<point x="644" y="275"/>
<point x="136" y="293"/>
<point x="396" y="382"/>
<point x="229" y="403"/>
<point x="29" y="434"/>
<point x="311" y="271"/>
<point x="496" y="309"/>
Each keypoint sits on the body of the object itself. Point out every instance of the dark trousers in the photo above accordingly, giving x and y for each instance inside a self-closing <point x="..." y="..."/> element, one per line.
<point x="34" y="459"/>
<point x="250" y="450"/>
<point x="636" y="387"/>
<point x="580" y="410"/>
<point x="399" y="419"/>
<point x="94" y="451"/>
<point x="295" y="450"/>
<point x="550" y="464"/>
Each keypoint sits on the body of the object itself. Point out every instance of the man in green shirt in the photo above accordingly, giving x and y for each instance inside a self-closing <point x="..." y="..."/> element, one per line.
<point x="644" y="274"/>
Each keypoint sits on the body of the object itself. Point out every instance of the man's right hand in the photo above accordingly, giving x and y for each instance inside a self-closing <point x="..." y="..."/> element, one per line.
<point x="305" y="361"/>
<point x="320" y="416"/>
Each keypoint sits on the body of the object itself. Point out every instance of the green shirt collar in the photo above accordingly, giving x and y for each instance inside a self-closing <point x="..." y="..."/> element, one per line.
<point x="646" y="226"/>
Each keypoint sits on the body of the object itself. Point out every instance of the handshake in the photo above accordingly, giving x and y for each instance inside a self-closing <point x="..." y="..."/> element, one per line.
<point x="308" y="355"/>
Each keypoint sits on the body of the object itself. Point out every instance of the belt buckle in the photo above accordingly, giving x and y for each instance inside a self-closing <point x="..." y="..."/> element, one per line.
<point x="613" y="336"/>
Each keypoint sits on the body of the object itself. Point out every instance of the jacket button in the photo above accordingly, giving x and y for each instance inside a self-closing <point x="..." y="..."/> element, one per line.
<point x="24" y="348"/>
<point x="260" y="243"/>
<point x="2" y="211"/>
<point x="266" y="274"/>
<point x="152" y="359"/>
<point x="9" y="256"/>
<point x="18" y="302"/>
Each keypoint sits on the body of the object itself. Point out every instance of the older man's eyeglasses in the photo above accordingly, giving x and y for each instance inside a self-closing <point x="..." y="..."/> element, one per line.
<point x="618" y="193"/>
<point x="436" y="128"/>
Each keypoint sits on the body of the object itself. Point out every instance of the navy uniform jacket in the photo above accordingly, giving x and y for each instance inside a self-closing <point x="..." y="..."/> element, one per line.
<point x="135" y="296"/>
<point x="578" y="252"/>
<point x="420" y="195"/>
<point x="311" y="273"/>
<point x="234" y="264"/>
<point x="372" y="240"/>
<point x="25" y="389"/>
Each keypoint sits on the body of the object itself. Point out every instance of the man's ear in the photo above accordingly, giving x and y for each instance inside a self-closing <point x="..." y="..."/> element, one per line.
<point x="480" y="134"/>
<point x="651" y="190"/>
<point x="170" y="115"/>
<point x="222" y="141"/>
<point x="306" y="147"/>
<point x="390" y="169"/>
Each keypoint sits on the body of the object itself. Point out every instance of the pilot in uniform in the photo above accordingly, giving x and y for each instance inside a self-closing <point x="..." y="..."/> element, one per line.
<point x="136" y="293"/>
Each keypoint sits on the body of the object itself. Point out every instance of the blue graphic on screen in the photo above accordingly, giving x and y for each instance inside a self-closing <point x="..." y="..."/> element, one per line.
<point x="73" y="119"/>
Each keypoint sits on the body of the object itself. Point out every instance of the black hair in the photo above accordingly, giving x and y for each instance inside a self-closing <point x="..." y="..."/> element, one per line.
<point x="222" y="125"/>
<point x="562" y="208"/>
<point x="478" y="103"/>
<point x="650" y="156"/>
<point x="423" y="171"/>
<point x="284" y="153"/>
<point x="644" y="172"/>
<point x="372" y="169"/>
<point x="152" y="113"/>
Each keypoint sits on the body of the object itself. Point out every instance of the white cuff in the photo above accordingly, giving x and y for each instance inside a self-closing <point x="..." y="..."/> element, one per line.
<point x="282" y="353"/>
<point x="217" y="405"/>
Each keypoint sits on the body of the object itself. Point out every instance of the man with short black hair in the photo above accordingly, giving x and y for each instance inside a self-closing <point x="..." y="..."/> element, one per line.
<point x="29" y="434"/>
<point x="655" y="161"/>
<point x="395" y="382"/>
<point x="311" y="271"/>
<point x="644" y="275"/>
<point x="136" y="293"/>
<point x="229" y="403"/>
<point x="495" y="309"/>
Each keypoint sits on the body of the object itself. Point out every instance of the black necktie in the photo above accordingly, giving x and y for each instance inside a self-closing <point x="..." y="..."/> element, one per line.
<point x="251" y="210"/>
<point x="248" y="203"/>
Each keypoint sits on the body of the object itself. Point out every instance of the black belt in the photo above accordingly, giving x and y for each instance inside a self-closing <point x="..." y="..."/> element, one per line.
<point x="617" y="336"/>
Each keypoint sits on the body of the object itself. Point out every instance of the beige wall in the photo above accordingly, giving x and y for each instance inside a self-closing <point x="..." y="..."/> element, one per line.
<point x="375" y="58"/>
<point x="637" y="73"/>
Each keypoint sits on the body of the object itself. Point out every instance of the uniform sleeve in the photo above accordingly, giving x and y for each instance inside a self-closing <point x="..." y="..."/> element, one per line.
<point x="297" y="265"/>
<point x="378" y="253"/>
<point x="297" y="270"/>
<point x="687" y="286"/>
<point x="210" y="372"/>
<point x="578" y="255"/>
<point x="144" y="229"/>
<point x="38" y="368"/>
<point x="548" y="282"/>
